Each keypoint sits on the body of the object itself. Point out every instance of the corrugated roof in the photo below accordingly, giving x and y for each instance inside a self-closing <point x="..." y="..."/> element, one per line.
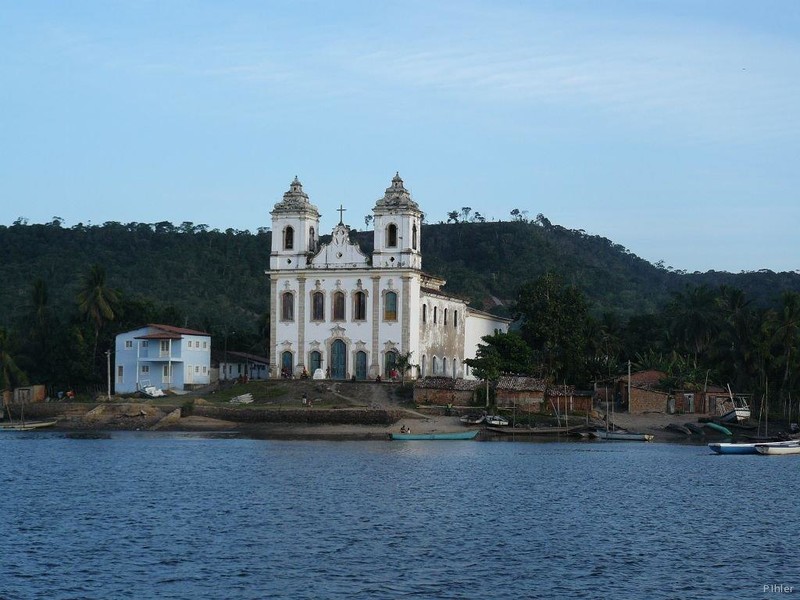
<point x="447" y="383"/>
<point x="179" y="330"/>
<point x="520" y="383"/>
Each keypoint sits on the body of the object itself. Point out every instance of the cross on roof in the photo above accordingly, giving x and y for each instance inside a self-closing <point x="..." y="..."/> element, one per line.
<point x="341" y="210"/>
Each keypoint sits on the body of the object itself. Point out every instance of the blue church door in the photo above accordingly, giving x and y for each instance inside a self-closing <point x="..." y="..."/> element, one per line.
<point x="338" y="360"/>
<point x="361" y="365"/>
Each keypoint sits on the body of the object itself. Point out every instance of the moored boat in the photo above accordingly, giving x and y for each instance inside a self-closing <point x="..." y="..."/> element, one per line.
<point x="744" y="447"/>
<point x="678" y="428"/>
<point x="770" y="449"/>
<point x="472" y="419"/>
<point x="496" y="421"/>
<point x="26" y="425"/>
<point x="622" y="436"/>
<point x="457" y="435"/>
<point x="720" y="428"/>
<point x="695" y="428"/>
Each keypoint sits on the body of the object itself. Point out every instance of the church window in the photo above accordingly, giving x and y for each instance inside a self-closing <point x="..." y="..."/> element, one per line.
<point x="390" y="307"/>
<point x="391" y="235"/>
<point x="317" y="306"/>
<point x="287" y="306"/>
<point x="360" y="306"/>
<point x="434" y="366"/>
<point x="311" y="240"/>
<point x="424" y="369"/>
<point x="414" y="236"/>
<point x="434" y="315"/>
<point x="288" y="238"/>
<point x="455" y="319"/>
<point x="338" y="306"/>
<point x="445" y="316"/>
<point x="424" y="313"/>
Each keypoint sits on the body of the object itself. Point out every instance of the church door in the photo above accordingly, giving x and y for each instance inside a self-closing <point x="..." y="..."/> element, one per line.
<point x="316" y="361"/>
<point x="338" y="360"/>
<point x="391" y="364"/>
<point x="361" y="365"/>
<point x="286" y="364"/>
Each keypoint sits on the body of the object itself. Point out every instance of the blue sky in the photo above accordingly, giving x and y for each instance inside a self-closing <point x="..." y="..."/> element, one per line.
<point x="671" y="127"/>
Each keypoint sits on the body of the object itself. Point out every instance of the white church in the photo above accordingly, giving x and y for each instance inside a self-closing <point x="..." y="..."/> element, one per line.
<point x="338" y="313"/>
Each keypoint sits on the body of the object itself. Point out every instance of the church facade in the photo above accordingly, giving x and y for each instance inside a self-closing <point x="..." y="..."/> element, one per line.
<point x="338" y="313"/>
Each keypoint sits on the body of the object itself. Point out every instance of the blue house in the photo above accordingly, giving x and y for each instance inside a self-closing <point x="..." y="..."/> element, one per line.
<point x="162" y="356"/>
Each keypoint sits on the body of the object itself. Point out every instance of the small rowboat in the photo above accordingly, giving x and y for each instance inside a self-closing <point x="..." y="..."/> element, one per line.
<point x="458" y="435"/>
<point x="472" y="419"/>
<point x="622" y="436"/>
<point x="769" y="449"/>
<point x="717" y="427"/>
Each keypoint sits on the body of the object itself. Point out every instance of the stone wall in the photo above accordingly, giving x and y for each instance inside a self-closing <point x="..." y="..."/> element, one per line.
<point x="300" y="415"/>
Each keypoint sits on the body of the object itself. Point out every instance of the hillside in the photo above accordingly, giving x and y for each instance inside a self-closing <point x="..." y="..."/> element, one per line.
<point x="215" y="280"/>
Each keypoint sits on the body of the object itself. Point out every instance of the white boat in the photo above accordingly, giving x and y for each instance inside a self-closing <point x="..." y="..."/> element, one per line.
<point x="629" y="436"/>
<point x="770" y="449"/>
<point x="734" y="410"/>
<point x="472" y="419"/>
<point x="26" y="425"/>
<point x="496" y="421"/>
<point x="745" y="447"/>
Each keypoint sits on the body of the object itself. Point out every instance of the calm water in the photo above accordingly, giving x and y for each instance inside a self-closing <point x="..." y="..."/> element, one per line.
<point x="189" y="516"/>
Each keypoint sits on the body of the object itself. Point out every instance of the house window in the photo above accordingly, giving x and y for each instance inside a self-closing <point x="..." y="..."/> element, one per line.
<point x="119" y="373"/>
<point x="145" y="369"/>
<point x="414" y="236"/>
<point x="205" y="345"/>
<point x="390" y="307"/>
<point x="359" y="306"/>
<point x="197" y="344"/>
<point x="287" y="306"/>
<point x="391" y="235"/>
<point x="288" y="238"/>
<point x="189" y="345"/>
<point x="144" y="343"/>
<point x="164" y="348"/>
<point x="338" y="306"/>
<point x="205" y="370"/>
<point x="129" y="343"/>
<point x="317" y="306"/>
<point x="197" y="369"/>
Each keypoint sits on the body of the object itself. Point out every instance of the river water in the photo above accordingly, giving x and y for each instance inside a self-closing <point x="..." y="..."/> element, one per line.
<point x="143" y="515"/>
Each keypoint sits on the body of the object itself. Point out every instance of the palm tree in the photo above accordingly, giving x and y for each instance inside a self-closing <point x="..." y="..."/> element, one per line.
<point x="11" y="375"/>
<point x="787" y="333"/>
<point x="403" y="365"/>
<point x="97" y="302"/>
<point x="695" y="320"/>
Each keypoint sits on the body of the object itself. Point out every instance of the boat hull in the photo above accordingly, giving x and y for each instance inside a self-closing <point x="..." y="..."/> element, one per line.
<point x="745" y="447"/>
<point x="460" y="435"/>
<point x="26" y="426"/>
<point x="622" y="436"/>
<point x="772" y="449"/>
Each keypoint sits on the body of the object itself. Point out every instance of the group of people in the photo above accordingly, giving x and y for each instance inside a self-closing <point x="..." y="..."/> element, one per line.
<point x="405" y="429"/>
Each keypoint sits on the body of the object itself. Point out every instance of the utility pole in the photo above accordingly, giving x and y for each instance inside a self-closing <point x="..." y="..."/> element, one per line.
<point x="108" y="375"/>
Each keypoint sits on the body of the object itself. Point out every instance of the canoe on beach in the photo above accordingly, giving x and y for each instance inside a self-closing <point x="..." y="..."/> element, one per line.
<point x="459" y="435"/>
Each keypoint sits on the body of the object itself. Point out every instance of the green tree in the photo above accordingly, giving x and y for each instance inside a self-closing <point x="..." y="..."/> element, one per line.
<point x="97" y="302"/>
<point x="695" y="321"/>
<point x="554" y="318"/>
<point x="486" y="365"/>
<point x="404" y="365"/>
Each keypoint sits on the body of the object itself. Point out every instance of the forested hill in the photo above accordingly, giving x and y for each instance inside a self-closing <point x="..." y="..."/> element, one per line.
<point x="214" y="280"/>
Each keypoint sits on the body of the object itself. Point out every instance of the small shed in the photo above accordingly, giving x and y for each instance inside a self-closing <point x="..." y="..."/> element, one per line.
<point x="445" y="390"/>
<point x="526" y="393"/>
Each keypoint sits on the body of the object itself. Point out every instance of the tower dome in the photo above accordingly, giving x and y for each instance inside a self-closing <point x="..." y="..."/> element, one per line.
<point x="295" y="229"/>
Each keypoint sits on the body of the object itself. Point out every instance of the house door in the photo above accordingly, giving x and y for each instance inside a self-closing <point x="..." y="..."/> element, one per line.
<point x="361" y="365"/>
<point x="189" y="374"/>
<point x="338" y="360"/>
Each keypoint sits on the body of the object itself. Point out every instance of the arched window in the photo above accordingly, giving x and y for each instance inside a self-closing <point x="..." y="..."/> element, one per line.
<point x="338" y="306"/>
<point x="287" y="306"/>
<point x="424" y="313"/>
<point x="434" y="366"/>
<point x="424" y="366"/>
<point x="455" y="370"/>
<point x="318" y="306"/>
<point x="390" y="306"/>
<point x="359" y="306"/>
<point x="444" y="366"/>
<point x="312" y="241"/>
<point x="455" y="319"/>
<point x="287" y="367"/>
<point x="391" y="235"/>
<point x="434" y="314"/>
<point x="288" y="238"/>
<point x="445" y="316"/>
<point x="414" y="236"/>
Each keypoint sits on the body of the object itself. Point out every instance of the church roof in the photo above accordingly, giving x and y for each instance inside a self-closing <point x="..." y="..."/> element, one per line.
<point x="295" y="200"/>
<point x="396" y="196"/>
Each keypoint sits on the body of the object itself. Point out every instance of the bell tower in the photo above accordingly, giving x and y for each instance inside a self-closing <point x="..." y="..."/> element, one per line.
<point x="398" y="224"/>
<point x="295" y="230"/>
